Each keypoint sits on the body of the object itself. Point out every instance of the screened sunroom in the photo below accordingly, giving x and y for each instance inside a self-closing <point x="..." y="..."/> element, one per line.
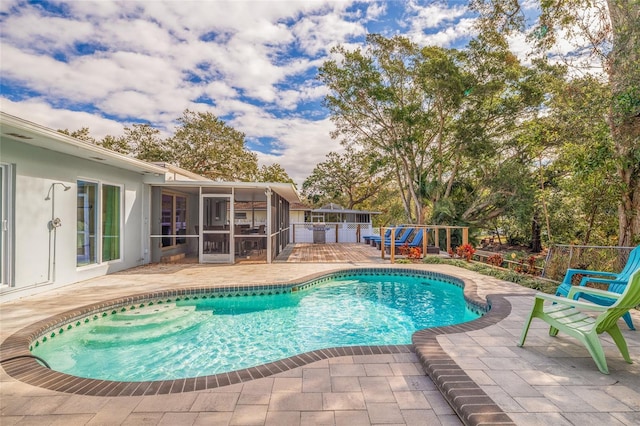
<point x="220" y="222"/>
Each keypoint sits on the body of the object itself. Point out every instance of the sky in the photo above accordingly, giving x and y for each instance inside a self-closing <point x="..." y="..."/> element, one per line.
<point x="108" y="64"/>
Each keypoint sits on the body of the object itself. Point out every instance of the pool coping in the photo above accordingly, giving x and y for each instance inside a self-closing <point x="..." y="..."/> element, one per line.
<point x="467" y="399"/>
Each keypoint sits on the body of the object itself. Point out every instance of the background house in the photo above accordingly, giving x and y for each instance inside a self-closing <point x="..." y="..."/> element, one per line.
<point x="331" y="223"/>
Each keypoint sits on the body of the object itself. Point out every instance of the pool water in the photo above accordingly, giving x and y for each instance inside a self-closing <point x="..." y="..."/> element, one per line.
<point x="209" y="336"/>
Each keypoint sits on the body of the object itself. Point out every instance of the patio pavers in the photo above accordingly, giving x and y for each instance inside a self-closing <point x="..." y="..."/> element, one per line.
<point x="549" y="381"/>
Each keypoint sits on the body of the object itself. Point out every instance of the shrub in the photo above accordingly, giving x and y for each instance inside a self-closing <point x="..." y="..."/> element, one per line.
<point x="404" y="249"/>
<point x="495" y="260"/>
<point x="415" y="253"/>
<point x="465" y="251"/>
<point x="410" y="252"/>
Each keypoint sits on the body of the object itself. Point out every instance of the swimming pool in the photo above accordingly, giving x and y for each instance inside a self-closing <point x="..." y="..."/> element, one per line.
<point x="197" y="334"/>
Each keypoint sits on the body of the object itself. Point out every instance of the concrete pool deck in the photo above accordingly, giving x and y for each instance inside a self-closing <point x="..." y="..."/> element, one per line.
<point x="549" y="381"/>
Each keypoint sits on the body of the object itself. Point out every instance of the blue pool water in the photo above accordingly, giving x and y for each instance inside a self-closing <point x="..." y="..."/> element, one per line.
<point x="209" y="336"/>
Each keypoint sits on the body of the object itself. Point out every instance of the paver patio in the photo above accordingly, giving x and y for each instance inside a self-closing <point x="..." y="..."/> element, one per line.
<point x="549" y="381"/>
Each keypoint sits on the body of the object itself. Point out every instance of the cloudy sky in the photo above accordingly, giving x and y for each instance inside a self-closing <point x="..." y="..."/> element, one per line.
<point x="107" y="64"/>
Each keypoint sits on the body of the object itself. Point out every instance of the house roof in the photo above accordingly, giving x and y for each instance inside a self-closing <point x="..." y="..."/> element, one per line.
<point x="244" y="191"/>
<point x="162" y="174"/>
<point x="330" y="208"/>
<point x="343" y="210"/>
<point x="24" y="131"/>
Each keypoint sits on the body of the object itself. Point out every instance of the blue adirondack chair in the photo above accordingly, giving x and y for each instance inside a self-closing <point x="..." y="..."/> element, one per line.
<point x="367" y="238"/>
<point x="616" y="282"/>
<point x="371" y="239"/>
<point x="375" y="240"/>
<point x="404" y="237"/>
<point x="416" y="241"/>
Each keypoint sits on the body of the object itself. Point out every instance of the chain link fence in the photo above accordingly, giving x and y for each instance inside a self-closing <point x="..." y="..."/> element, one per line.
<point x="597" y="258"/>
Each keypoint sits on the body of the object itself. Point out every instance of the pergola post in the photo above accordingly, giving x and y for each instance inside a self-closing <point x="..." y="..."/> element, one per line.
<point x="392" y="245"/>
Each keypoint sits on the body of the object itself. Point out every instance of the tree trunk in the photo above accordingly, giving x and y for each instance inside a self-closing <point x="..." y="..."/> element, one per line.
<point x="624" y="120"/>
<point x="536" y="238"/>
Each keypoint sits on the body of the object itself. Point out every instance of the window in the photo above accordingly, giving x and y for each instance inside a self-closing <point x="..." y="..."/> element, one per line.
<point x="87" y="220"/>
<point x="110" y="222"/>
<point x="99" y="231"/>
<point x="174" y="219"/>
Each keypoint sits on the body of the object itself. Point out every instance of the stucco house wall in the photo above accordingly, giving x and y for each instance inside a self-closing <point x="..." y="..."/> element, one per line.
<point x="47" y="256"/>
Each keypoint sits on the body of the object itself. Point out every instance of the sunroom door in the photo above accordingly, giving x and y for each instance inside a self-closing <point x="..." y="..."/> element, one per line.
<point x="216" y="215"/>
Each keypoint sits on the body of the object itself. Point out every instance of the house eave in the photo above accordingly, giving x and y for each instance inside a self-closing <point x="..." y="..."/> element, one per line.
<point x="24" y="131"/>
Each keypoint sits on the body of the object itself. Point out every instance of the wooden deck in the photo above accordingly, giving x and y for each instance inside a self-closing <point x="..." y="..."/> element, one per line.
<point x="328" y="253"/>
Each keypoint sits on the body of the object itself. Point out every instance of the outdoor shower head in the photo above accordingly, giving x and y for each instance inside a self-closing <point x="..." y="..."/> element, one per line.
<point x="66" y="188"/>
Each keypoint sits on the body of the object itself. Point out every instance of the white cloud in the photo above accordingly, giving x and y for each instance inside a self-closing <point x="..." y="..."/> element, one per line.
<point x="317" y="34"/>
<point x="36" y="33"/>
<point x="41" y="112"/>
<point x="433" y="15"/>
<point x="445" y="37"/>
<point x="303" y="144"/>
<point x="150" y="60"/>
<point x="375" y="10"/>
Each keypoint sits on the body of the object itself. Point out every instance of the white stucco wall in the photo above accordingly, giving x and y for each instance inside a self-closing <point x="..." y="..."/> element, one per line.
<point x="48" y="258"/>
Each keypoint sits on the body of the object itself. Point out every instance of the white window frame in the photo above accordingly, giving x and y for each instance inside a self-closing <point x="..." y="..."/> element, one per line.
<point x="6" y="222"/>
<point x="99" y="218"/>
